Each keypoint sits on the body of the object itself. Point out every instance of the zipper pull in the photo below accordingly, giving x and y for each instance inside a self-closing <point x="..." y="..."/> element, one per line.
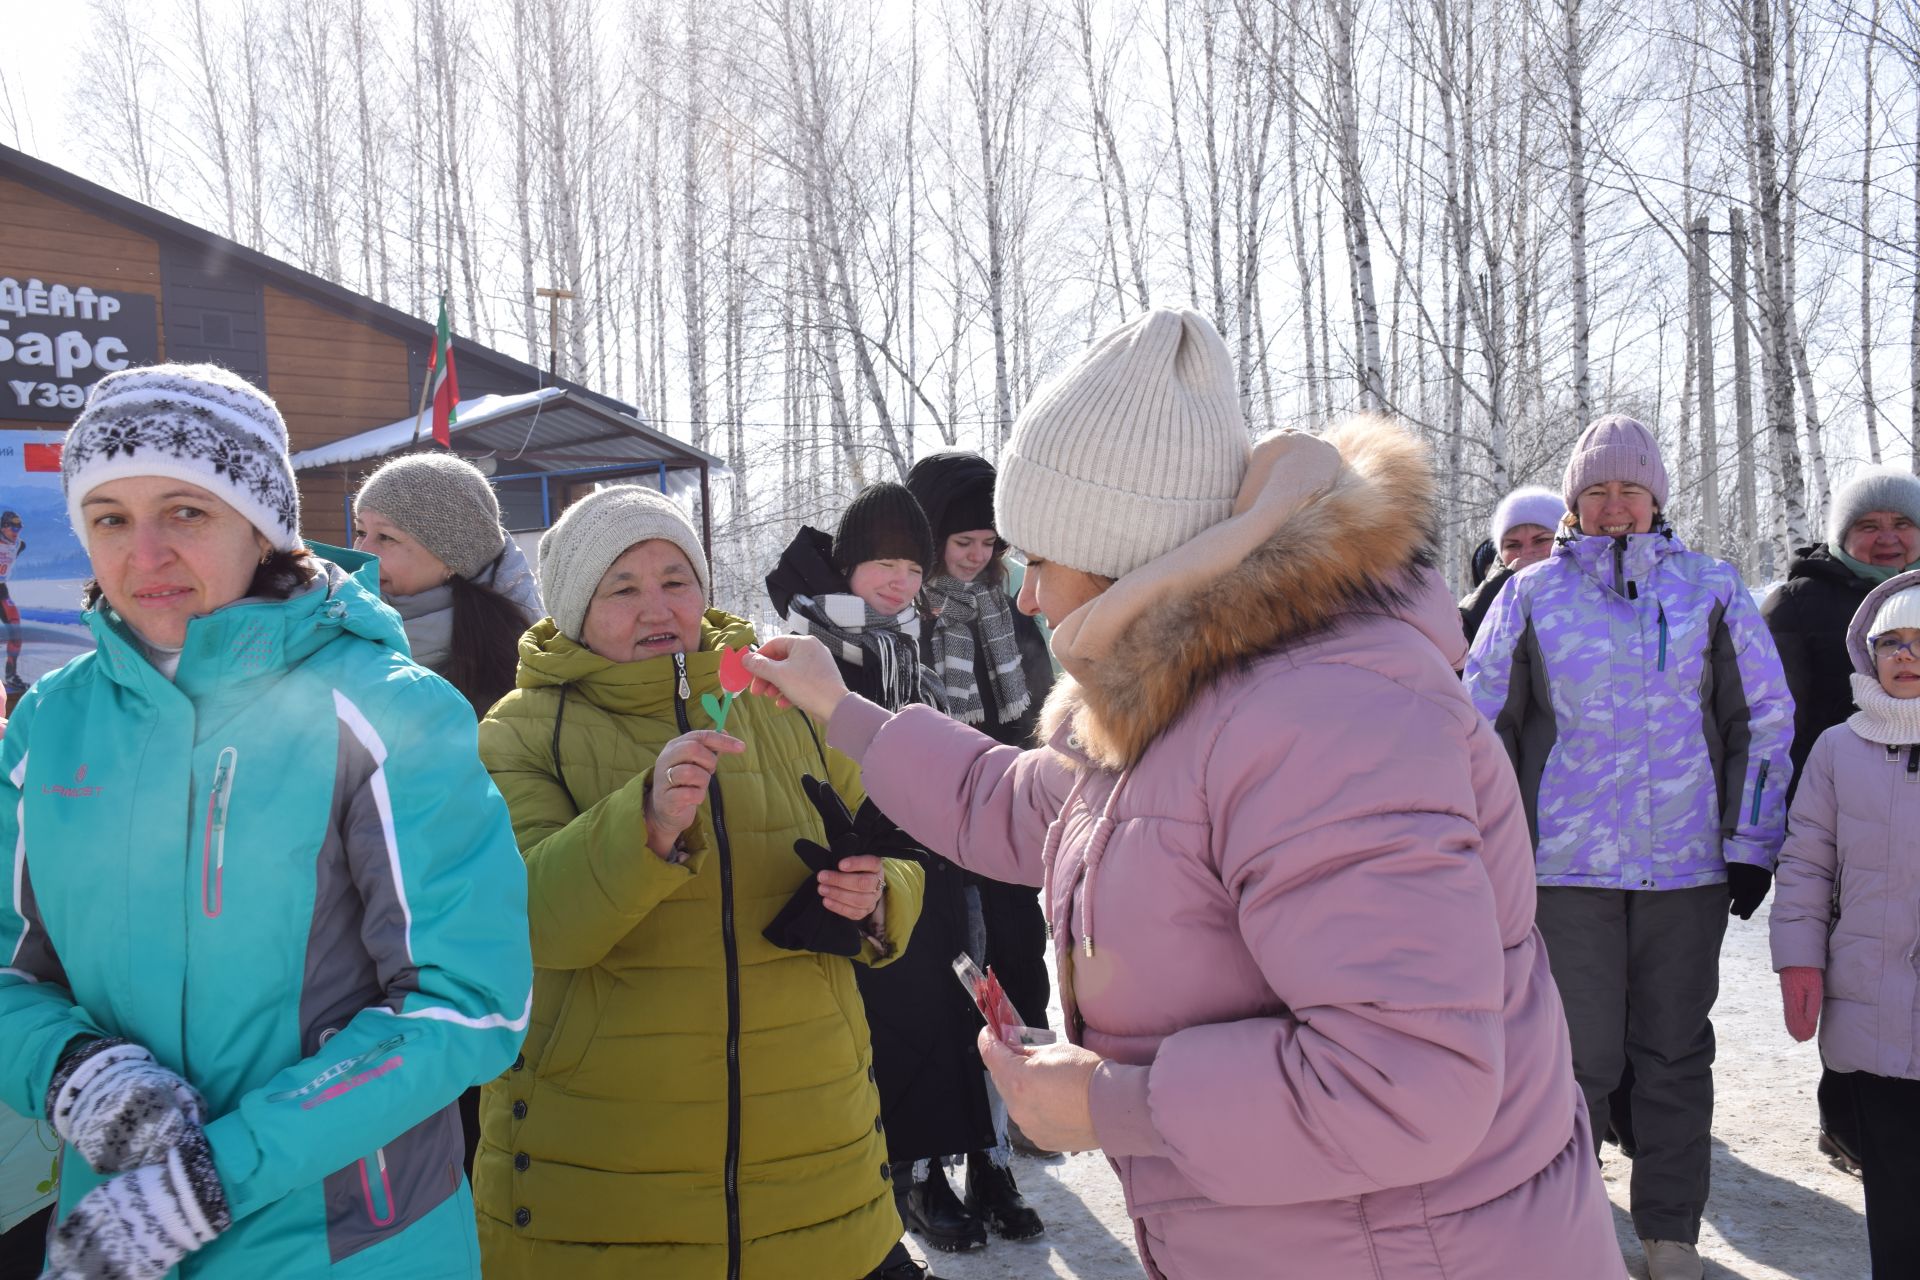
<point x="680" y="666"/>
<point x="222" y="788"/>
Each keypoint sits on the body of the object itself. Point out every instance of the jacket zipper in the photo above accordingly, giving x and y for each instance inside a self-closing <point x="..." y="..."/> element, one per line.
<point x="376" y="1214"/>
<point x="1759" y="792"/>
<point x="379" y="1156"/>
<point x="213" y="845"/>
<point x="1663" y="638"/>
<point x="730" y="946"/>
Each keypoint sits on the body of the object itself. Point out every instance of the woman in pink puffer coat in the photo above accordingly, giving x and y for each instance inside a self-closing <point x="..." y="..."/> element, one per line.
<point x="1285" y="861"/>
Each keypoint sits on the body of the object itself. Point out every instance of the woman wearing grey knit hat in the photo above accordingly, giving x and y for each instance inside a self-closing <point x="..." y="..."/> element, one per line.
<point x="457" y="579"/>
<point x="1285" y="866"/>
<point x="698" y="1098"/>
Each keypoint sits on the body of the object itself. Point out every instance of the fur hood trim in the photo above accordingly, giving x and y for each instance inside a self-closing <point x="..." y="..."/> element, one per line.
<point x="1346" y="549"/>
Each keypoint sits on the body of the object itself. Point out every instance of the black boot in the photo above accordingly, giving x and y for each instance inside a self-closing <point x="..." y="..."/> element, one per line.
<point x="993" y="1194"/>
<point x="899" y="1265"/>
<point x="932" y="1212"/>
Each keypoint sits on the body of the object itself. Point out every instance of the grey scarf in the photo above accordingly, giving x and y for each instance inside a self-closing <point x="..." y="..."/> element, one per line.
<point x="888" y="645"/>
<point x="428" y="615"/>
<point x="956" y="606"/>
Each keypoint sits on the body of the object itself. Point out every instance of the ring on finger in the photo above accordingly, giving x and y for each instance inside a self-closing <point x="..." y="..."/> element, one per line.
<point x="670" y="769"/>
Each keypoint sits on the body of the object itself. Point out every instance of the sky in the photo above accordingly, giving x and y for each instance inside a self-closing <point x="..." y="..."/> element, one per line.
<point x="39" y="65"/>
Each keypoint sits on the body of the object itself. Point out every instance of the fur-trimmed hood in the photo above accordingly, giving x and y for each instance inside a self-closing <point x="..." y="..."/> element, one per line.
<point x="1323" y="528"/>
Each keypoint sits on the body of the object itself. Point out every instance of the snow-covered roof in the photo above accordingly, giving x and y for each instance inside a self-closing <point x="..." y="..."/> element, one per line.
<point x="382" y="441"/>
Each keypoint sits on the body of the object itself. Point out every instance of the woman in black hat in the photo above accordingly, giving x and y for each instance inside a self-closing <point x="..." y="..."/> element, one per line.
<point x="859" y="591"/>
<point x="993" y="665"/>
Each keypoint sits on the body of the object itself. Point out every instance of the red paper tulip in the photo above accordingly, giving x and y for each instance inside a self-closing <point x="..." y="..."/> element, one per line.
<point x="733" y="672"/>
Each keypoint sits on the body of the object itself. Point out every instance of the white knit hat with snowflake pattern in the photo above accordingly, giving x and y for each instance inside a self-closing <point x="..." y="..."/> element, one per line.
<point x="194" y="422"/>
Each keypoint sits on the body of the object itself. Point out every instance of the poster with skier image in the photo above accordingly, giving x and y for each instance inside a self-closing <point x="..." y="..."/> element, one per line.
<point x="43" y="569"/>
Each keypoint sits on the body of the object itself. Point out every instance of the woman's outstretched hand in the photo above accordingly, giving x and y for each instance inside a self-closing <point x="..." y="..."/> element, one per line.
<point x="1047" y="1090"/>
<point x="1800" y="992"/>
<point x="797" y="671"/>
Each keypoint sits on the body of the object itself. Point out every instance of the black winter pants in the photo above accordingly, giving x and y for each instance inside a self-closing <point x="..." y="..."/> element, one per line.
<point x="1888" y="1113"/>
<point x="23" y="1249"/>
<point x="1638" y="972"/>
<point x="1017" y="946"/>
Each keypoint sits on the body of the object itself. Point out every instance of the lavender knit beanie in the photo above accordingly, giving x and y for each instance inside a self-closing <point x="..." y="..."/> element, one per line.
<point x="1616" y="447"/>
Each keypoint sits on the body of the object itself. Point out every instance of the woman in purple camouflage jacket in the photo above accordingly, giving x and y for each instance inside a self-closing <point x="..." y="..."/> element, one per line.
<point x="1642" y="701"/>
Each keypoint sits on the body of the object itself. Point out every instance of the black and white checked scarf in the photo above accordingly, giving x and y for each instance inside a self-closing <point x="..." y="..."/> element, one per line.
<point x="888" y="645"/>
<point x="956" y="605"/>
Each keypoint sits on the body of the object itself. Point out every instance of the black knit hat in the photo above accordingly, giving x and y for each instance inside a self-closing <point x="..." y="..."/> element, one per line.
<point x="956" y="492"/>
<point x="883" y="522"/>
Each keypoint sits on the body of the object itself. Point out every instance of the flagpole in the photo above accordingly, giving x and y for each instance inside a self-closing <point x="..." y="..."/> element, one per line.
<point x="426" y="385"/>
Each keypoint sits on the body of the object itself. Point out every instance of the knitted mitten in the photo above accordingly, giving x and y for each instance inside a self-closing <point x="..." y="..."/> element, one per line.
<point x="118" y="1107"/>
<point x="139" y="1225"/>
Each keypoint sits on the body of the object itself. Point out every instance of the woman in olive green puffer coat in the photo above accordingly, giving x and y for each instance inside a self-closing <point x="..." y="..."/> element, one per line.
<point x="693" y="1100"/>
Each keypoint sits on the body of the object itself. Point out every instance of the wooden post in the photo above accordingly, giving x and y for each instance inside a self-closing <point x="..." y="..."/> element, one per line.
<point x="1749" y="539"/>
<point x="553" y="327"/>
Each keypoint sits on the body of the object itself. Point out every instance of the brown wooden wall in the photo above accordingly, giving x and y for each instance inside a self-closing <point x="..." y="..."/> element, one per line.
<point x="49" y="238"/>
<point x="323" y="495"/>
<point x="331" y="376"/>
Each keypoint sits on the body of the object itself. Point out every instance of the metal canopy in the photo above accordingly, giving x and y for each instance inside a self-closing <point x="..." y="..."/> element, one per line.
<point x="541" y="436"/>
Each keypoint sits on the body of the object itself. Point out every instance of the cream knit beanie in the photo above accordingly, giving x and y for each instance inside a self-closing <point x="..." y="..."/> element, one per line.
<point x="597" y="530"/>
<point x="443" y="503"/>
<point x="1133" y="450"/>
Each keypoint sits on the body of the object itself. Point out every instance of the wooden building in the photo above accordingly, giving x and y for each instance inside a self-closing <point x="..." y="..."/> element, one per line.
<point x="91" y="281"/>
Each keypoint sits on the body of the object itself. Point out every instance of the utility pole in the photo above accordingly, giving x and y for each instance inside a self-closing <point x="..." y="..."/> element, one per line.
<point x="553" y="327"/>
<point x="1702" y="281"/>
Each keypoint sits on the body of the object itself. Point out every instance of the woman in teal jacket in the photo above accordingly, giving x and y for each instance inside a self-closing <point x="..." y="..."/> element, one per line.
<point x="266" y="918"/>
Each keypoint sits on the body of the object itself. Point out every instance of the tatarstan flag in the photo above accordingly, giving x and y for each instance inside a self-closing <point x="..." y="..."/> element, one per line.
<point x="443" y="383"/>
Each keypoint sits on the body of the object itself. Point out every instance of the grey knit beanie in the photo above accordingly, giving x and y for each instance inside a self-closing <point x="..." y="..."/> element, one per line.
<point x="597" y="530"/>
<point x="1134" y="449"/>
<point x="193" y="422"/>
<point x="1879" y="489"/>
<point x="443" y="503"/>
<point x="1616" y="447"/>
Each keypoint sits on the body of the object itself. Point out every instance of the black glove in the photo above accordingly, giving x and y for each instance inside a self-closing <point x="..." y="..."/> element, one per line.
<point x="804" y="923"/>
<point x="1747" y="885"/>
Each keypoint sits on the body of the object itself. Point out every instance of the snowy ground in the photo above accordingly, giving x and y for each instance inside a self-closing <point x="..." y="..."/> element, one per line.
<point x="1779" y="1211"/>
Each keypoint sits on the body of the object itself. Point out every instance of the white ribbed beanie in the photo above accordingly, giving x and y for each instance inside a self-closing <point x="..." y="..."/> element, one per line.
<point x="1901" y="610"/>
<point x="1133" y="450"/>
<point x="597" y="530"/>
<point x="1529" y="504"/>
